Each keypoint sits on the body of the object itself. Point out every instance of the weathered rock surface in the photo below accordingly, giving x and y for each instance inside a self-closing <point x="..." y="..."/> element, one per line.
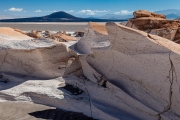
<point x="38" y="57"/>
<point x="58" y="37"/>
<point x="47" y="34"/>
<point x="121" y="73"/>
<point x="144" y="67"/>
<point x="34" y="34"/>
<point x="144" y="13"/>
<point x="12" y="34"/>
<point x="79" y="33"/>
<point x="90" y="40"/>
<point x="20" y="31"/>
<point x="62" y="37"/>
<point x="156" y="24"/>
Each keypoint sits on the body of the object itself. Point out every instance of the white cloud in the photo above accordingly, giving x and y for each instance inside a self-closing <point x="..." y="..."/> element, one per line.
<point x="100" y="11"/>
<point x="91" y="12"/>
<point x="88" y="12"/>
<point x="38" y="11"/>
<point x="15" y="9"/>
<point x="70" y="11"/>
<point x="50" y="11"/>
<point x="123" y="12"/>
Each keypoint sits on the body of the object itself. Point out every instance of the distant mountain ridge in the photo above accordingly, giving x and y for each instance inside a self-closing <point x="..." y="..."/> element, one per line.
<point x="170" y="14"/>
<point x="169" y="11"/>
<point x="114" y="16"/>
<point x="8" y="16"/>
<point x="60" y="17"/>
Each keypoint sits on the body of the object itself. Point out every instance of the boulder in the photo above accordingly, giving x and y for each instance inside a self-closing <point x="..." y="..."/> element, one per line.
<point x="156" y="24"/>
<point x="67" y="38"/>
<point x="64" y="32"/>
<point x="62" y="37"/>
<point x="177" y="36"/>
<point x="47" y="34"/>
<point x="79" y="34"/>
<point x="144" y="13"/>
<point x="34" y="34"/>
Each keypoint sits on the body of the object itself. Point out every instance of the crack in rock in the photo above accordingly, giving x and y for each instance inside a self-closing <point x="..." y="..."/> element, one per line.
<point x="172" y="77"/>
<point x="4" y="60"/>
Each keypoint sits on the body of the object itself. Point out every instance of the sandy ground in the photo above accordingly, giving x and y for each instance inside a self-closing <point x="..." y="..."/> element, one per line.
<point x="20" y="110"/>
<point x="51" y="26"/>
<point x="31" y="111"/>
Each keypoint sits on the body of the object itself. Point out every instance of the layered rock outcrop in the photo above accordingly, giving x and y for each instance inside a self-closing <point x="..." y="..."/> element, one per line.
<point x="143" y="13"/>
<point x="117" y="73"/>
<point x="156" y="24"/>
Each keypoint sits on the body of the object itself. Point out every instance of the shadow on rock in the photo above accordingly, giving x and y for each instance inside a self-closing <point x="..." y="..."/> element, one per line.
<point x="74" y="90"/>
<point x="58" y="114"/>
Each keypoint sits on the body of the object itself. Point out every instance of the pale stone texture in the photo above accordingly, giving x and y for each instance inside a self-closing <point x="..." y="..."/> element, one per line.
<point x="156" y="24"/>
<point x="124" y="73"/>
<point x="41" y="58"/>
<point x="139" y="64"/>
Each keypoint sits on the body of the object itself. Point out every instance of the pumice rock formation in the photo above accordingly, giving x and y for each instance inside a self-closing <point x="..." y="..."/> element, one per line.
<point x="156" y="24"/>
<point x="40" y="58"/>
<point x="113" y="72"/>
<point x="140" y="65"/>
<point x="96" y="36"/>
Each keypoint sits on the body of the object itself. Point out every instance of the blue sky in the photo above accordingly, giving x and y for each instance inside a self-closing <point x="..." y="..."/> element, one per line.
<point x="83" y="7"/>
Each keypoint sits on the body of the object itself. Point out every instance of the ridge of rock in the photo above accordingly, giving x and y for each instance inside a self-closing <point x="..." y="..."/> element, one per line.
<point x="156" y="24"/>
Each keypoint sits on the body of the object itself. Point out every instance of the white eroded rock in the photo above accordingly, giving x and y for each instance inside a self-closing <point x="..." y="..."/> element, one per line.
<point x="90" y="39"/>
<point x="41" y="58"/>
<point x="128" y="74"/>
<point x="144" y="66"/>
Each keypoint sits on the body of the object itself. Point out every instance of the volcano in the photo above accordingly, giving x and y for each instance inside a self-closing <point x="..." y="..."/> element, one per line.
<point x="60" y="16"/>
